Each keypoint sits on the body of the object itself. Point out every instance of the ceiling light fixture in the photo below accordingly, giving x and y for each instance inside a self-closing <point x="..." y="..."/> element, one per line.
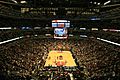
<point x="107" y="2"/>
<point x="14" y="1"/>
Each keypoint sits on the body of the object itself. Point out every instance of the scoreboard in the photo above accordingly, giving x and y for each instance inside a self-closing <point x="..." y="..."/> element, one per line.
<point x="60" y="23"/>
<point x="60" y="28"/>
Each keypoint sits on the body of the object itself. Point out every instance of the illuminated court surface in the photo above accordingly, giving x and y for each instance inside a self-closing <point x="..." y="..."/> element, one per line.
<point x="60" y="58"/>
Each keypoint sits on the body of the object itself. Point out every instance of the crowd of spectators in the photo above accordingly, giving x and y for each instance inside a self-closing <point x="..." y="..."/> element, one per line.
<point x="15" y="33"/>
<point x="100" y="59"/>
<point x="9" y="34"/>
<point x="108" y="35"/>
<point x="23" y="58"/>
<point x="26" y="57"/>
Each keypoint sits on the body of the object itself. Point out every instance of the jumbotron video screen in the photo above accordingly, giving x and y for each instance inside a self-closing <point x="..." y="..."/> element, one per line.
<point x="60" y="33"/>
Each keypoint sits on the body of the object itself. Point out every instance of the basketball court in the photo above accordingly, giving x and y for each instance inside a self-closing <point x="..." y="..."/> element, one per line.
<point x="60" y="58"/>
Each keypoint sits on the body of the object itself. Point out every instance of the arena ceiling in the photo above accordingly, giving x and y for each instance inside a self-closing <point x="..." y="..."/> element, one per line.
<point x="99" y="7"/>
<point x="62" y="3"/>
<point x="46" y="10"/>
